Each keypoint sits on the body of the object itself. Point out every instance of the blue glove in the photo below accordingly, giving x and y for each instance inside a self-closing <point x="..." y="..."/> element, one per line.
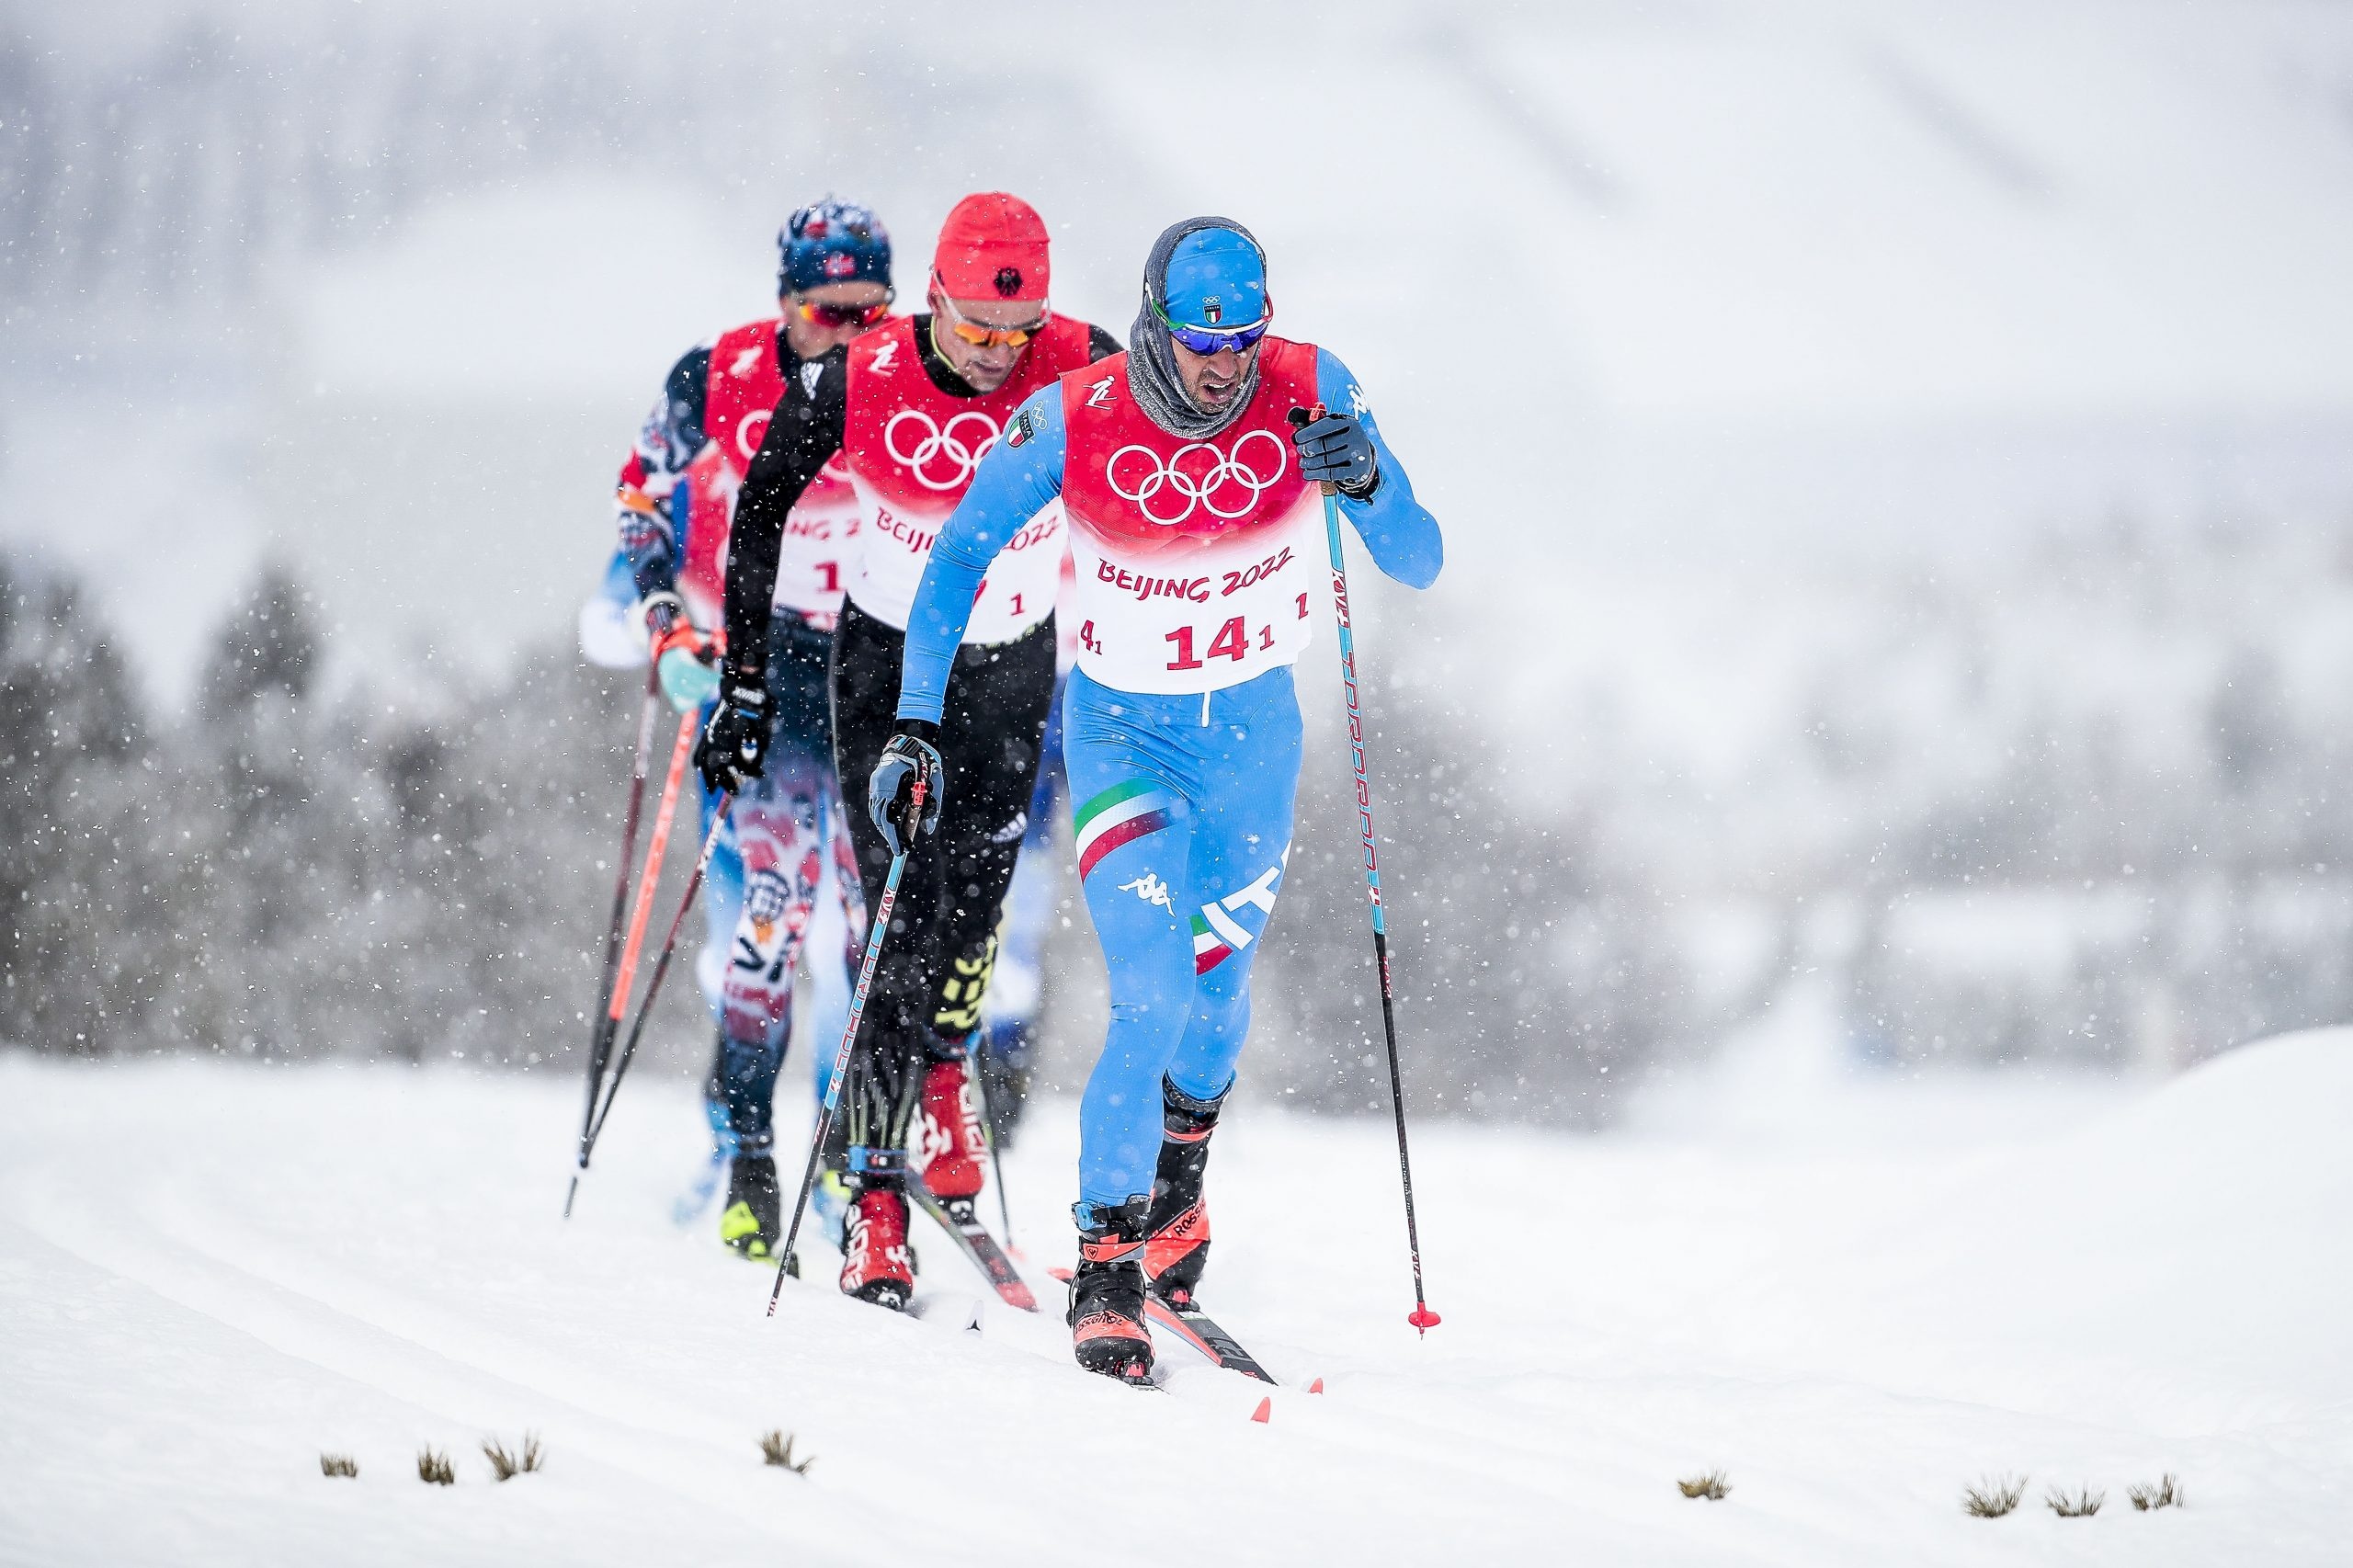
<point x="1337" y="450"/>
<point x="684" y="662"/>
<point x="912" y="760"/>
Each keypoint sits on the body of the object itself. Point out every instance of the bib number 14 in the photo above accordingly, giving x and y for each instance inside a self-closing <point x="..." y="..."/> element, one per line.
<point x="1232" y="641"/>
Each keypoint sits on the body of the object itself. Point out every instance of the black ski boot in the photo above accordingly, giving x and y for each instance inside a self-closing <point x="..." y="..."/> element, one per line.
<point x="1176" y="1248"/>
<point x="753" y="1223"/>
<point x="1107" y="1293"/>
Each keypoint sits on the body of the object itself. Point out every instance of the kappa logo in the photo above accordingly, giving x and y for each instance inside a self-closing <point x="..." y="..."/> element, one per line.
<point x="885" y="357"/>
<point x="811" y="374"/>
<point x="1150" y="889"/>
<point x="1099" y="394"/>
<point x="745" y="363"/>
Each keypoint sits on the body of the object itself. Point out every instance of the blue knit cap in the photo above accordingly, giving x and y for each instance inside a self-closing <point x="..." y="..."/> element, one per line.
<point x="1216" y="278"/>
<point x="833" y="242"/>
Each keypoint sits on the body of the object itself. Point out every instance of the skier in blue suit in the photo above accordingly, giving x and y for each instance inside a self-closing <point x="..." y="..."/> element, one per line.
<point x="1190" y="468"/>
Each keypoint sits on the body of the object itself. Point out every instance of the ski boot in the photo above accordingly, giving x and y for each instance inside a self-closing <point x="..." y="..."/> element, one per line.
<point x="948" y="1133"/>
<point x="1106" y="1314"/>
<point x="1176" y="1244"/>
<point x="875" y="1263"/>
<point x="753" y="1221"/>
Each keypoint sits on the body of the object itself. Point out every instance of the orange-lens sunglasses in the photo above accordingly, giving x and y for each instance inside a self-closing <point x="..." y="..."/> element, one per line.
<point x="981" y="336"/>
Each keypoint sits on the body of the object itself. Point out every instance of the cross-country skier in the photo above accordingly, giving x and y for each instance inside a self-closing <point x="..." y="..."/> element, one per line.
<point x="1194" y="517"/>
<point x="675" y="498"/>
<point x="913" y="407"/>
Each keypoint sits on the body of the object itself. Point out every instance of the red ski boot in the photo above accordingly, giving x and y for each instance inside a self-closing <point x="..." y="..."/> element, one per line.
<point x="947" y="1136"/>
<point x="1105" y="1319"/>
<point x="875" y="1265"/>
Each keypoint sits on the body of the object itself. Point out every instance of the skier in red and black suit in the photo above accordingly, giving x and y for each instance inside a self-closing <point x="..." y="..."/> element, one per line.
<point x="915" y="405"/>
<point x="786" y="842"/>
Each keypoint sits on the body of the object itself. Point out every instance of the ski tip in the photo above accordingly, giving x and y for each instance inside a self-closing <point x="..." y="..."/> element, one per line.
<point x="1018" y="1295"/>
<point x="1265" y="1413"/>
<point x="1423" y="1319"/>
<point x="1315" y="1387"/>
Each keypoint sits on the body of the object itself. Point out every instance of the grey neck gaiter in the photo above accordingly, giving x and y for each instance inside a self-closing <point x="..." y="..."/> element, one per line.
<point x="1152" y="359"/>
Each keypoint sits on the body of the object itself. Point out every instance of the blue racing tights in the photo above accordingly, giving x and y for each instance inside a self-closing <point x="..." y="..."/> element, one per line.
<point x="1182" y="806"/>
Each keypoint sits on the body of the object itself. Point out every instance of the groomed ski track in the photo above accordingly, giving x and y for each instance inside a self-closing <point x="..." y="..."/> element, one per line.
<point x="208" y="1274"/>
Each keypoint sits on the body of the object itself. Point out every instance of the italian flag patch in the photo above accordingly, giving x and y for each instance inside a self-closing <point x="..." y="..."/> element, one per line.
<point x="1210" y="949"/>
<point x="1120" y="815"/>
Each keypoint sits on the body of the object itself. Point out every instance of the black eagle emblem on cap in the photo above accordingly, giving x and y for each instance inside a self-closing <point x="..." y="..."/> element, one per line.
<point x="1008" y="281"/>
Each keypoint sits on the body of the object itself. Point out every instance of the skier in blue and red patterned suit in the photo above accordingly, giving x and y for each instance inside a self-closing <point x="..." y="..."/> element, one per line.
<point x="789" y="845"/>
<point x="1191" y="496"/>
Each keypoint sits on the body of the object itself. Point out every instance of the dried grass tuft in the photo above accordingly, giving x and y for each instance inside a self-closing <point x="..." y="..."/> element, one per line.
<point x="2166" y="1494"/>
<point x="342" y="1465"/>
<point x="1712" y="1486"/>
<point x="434" y="1468"/>
<point x="2082" y="1505"/>
<point x="1992" y="1496"/>
<point x="504" y="1465"/>
<point x="777" y="1448"/>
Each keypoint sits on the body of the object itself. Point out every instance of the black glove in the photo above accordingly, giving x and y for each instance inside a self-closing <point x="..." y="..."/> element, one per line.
<point x="911" y="759"/>
<point x="736" y="742"/>
<point x="1337" y="450"/>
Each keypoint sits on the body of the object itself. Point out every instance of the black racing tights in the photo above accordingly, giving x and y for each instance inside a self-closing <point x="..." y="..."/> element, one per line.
<point x="942" y="942"/>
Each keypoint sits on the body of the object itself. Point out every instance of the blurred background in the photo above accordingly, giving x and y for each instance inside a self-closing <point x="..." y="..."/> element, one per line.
<point x="1897" y="461"/>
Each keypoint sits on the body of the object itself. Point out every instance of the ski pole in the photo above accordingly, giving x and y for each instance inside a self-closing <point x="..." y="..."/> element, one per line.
<point x="624" y="976"/>
<point x="600" y="1032"/>
<point x="1421" y="1317"/>
<point x="661" y="965"/>
<point x="786" y="1263"/>
<point x="996" y="1160"/>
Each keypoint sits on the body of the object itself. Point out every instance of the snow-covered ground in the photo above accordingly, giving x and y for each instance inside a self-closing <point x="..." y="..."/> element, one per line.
<point x="210" y="1274"/>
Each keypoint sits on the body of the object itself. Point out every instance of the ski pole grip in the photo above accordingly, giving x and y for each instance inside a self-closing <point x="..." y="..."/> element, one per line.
<point x="917" y="790"/>
<point x="1300" y="418"/>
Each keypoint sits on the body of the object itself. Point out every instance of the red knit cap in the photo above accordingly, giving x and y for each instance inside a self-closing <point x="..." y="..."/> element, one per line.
<point x="992" y="248"/>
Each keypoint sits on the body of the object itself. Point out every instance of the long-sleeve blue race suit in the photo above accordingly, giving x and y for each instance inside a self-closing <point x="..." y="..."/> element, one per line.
<point x="1200" y="785"/>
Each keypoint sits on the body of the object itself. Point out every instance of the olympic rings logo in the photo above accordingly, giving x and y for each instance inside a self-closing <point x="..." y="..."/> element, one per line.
<point x="1224" y="477"/>
<point x="961" y="452"/>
